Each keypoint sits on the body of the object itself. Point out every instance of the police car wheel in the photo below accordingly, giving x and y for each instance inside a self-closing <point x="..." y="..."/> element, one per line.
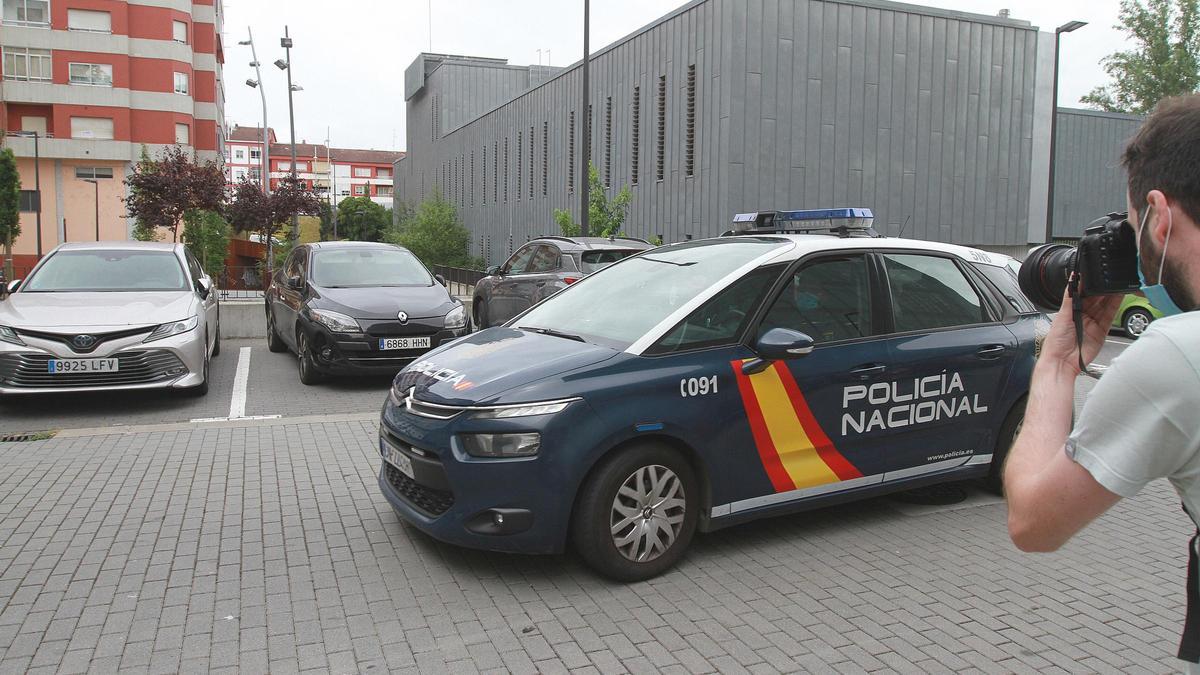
<point x="637" y="513"/>
<point x="1008" y="435"/>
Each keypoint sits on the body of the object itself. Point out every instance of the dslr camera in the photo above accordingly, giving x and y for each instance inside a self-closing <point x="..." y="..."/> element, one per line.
<point x="1104" y="262"/>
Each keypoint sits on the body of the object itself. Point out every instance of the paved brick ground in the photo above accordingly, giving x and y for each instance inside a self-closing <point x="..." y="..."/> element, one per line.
<point x="267" y="547"/>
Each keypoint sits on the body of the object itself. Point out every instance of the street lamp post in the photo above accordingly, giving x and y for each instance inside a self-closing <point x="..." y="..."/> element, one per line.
<point x="37" y="189"/>
<point x="264" y="161"/>
<point x="1068" y="27"/>
<point x="587" y="122"/>
<point x="97" y="186"/>
<point x="286" y="65"/>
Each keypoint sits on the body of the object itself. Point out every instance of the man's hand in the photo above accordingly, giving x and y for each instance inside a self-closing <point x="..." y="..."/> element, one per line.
<point x="1061" y="346"/>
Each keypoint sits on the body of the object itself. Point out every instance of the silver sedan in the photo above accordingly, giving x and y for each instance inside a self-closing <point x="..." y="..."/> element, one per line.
<point x="110" y="315"/>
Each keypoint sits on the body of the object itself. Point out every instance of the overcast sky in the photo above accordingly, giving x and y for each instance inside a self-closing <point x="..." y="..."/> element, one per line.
<point x="350" y="55"/>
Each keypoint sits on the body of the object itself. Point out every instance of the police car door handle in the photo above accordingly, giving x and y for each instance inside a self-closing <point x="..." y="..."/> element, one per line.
<point x="869" y="370"/>
<point x="991" y="351"/>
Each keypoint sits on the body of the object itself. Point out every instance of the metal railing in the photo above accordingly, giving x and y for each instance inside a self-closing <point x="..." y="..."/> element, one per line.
<point x="460" y="281"/>
<point x="242" y="283"/>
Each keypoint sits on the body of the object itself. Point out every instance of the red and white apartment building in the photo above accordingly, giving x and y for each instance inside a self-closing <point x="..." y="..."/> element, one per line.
<point x="332" y="173"/>
<point x="86" y="84"/>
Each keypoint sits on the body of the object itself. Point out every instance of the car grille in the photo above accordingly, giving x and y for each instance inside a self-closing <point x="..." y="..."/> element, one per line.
<point x="431" y="502"/>
<point x="31" y="371"/>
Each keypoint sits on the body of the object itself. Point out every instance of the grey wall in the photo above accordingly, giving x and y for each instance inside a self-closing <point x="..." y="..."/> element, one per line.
<point x="1088" y="179"/>
<point x="924" y="115"/>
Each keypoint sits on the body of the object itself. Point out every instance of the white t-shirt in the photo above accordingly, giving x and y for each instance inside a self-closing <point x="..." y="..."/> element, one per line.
<point x="1142" y="420"/>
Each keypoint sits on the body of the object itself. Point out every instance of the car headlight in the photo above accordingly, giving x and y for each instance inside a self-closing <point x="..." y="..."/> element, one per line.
<point x="501" y="445"/>
<point x="456" y="318"/>
<point x="525" y="410"/>
<point x="166" y="330"/>
<point x="10" y="336"/>
<point x="338" y="323"/>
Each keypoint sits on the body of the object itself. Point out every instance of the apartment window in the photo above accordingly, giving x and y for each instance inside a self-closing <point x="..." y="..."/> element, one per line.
<point x="91" y="74"/>
<point x="571" y="154"/>
<point x="635" y="152"/>
<point x="28" y="201"/>
<point x="181" y="83"/>
<point x="100" y="128"/>
<point x="545" y="156"/>
<point x="179" y="31"/>
<point x="89" y="21"/>
<point x="21" y="63"/>
<point x="93" y="172"/>
<point x="284" y="166"/>
<point x="27" y="12"/>
<point x="362" y="172"/>
<point x="608" y="142"/>
<point x="384" y="191"/>
<point x="183" y="133"/>
<point x="255" y="153"/>
<point x="302" y="166"/>
<point x="33" y="124"/>
<point x="256" y="175"/>
<point x="360" y="190"/>
<point x="383" y="173"/>
<point x="660" y="167"/>
<point x="690" y="149"/>
<point x="240" y="154"/>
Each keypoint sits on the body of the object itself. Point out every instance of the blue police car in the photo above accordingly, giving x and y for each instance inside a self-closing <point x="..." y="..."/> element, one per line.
<point x="799" y="363"/>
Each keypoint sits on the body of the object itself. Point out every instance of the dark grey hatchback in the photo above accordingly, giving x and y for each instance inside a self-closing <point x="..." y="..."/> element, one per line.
<point x="541" y="268"/>
<point x="358" y="307"/>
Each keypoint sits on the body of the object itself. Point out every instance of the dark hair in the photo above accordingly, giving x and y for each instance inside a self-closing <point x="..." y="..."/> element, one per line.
<point x="1164" y="155"/>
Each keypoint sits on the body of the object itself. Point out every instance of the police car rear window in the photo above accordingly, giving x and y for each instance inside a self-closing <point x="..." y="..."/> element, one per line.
<point x="1005" y="280"/>
<point x="621" y="303"/>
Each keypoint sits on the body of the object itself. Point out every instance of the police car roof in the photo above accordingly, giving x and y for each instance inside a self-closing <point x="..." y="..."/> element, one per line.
<point x="810" y="243"/>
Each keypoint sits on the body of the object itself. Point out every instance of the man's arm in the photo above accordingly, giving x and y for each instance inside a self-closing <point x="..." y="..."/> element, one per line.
<point x="1050" y="496"/>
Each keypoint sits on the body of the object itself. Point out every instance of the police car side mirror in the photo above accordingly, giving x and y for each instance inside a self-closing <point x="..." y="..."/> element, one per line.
<point x="494" y="271"/>
<point x="778" y="344"/>
<point x="14" y="285"/>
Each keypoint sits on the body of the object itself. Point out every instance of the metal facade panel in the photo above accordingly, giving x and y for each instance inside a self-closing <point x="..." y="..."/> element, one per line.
<point x="1088" y="178"/>
<point x="924" y="116"/>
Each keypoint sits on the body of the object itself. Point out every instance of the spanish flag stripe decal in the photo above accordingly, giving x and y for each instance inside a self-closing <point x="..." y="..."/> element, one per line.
<point x="762" y="438"/>
<point x="832" y="458"/>
<point x="796" y="451"/>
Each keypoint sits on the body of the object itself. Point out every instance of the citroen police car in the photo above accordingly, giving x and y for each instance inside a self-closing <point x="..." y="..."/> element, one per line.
<point x="703" y="384"/>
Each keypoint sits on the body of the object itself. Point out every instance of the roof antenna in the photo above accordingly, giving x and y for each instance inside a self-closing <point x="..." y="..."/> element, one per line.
<point x="901" y="235"/>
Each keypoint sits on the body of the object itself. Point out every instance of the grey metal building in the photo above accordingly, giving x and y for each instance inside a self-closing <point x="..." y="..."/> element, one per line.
<point x="937" y="120"/>
<point x="1088" y="179"/>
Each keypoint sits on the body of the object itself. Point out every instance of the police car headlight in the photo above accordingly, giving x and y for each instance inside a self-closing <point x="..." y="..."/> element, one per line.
<point x="528" y="410"/>
<point x="456" y="318"/>
<point x="501" y="445"/>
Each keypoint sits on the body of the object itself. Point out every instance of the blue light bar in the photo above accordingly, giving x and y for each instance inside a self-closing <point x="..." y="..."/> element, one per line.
<point x="824" y="214"/>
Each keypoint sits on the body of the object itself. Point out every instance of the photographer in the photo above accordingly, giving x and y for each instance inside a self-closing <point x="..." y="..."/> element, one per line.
<point x="1140" y="422"/>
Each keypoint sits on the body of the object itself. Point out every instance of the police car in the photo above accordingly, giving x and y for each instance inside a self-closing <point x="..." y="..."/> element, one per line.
<point x="703" y="384"/>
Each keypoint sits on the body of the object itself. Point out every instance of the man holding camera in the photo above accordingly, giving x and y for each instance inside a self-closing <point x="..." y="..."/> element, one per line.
<point x="1142" y="420"/>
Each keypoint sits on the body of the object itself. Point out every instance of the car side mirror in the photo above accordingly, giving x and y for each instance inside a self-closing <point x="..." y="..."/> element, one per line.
<point x="293" y="282"/>
<point x="495" y="271"/>
<point x="14" y="285"/>
<point x="204" y="286"/>
<point x="778" y="344"/>
<point x="440" y="279"/>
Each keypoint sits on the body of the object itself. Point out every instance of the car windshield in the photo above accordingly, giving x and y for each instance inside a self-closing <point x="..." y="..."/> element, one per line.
<point x="594" y="261"/>
<point x="617" y="306"/>
<point x="109" y="271"/>
<point x="362" y="267"/>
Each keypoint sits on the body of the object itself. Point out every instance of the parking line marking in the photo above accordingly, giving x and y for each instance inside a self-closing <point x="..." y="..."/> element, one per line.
<point x="241" y="383"/>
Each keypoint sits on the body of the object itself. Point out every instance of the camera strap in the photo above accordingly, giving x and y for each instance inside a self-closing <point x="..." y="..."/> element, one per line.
<point x="1077" y="317"/>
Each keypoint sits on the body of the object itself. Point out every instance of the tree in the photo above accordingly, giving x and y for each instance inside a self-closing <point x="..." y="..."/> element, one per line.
<point x="435" y="236"/>
<point x="1165" y="60"/>
<point x="254" y="211"/>
<point x="207" y="235"/>
<point x="360" y="219"/>
<point x="326" y="216"/>
<point x="162" y="190"/>
<point x="606" y="215"/>
<point x="10" y="206"/>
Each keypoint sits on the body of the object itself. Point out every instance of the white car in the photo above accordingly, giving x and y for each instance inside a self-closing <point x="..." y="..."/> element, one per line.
<point x="110" y="315"/>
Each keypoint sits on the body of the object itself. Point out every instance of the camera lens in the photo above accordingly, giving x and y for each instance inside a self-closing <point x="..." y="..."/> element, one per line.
<point x="1044" y="274"/>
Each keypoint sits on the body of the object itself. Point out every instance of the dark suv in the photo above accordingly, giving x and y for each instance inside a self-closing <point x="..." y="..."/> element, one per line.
<point x="542" y="268"/>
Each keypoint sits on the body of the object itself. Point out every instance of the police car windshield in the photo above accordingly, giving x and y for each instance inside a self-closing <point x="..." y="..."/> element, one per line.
<point x="619" y="304"/>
